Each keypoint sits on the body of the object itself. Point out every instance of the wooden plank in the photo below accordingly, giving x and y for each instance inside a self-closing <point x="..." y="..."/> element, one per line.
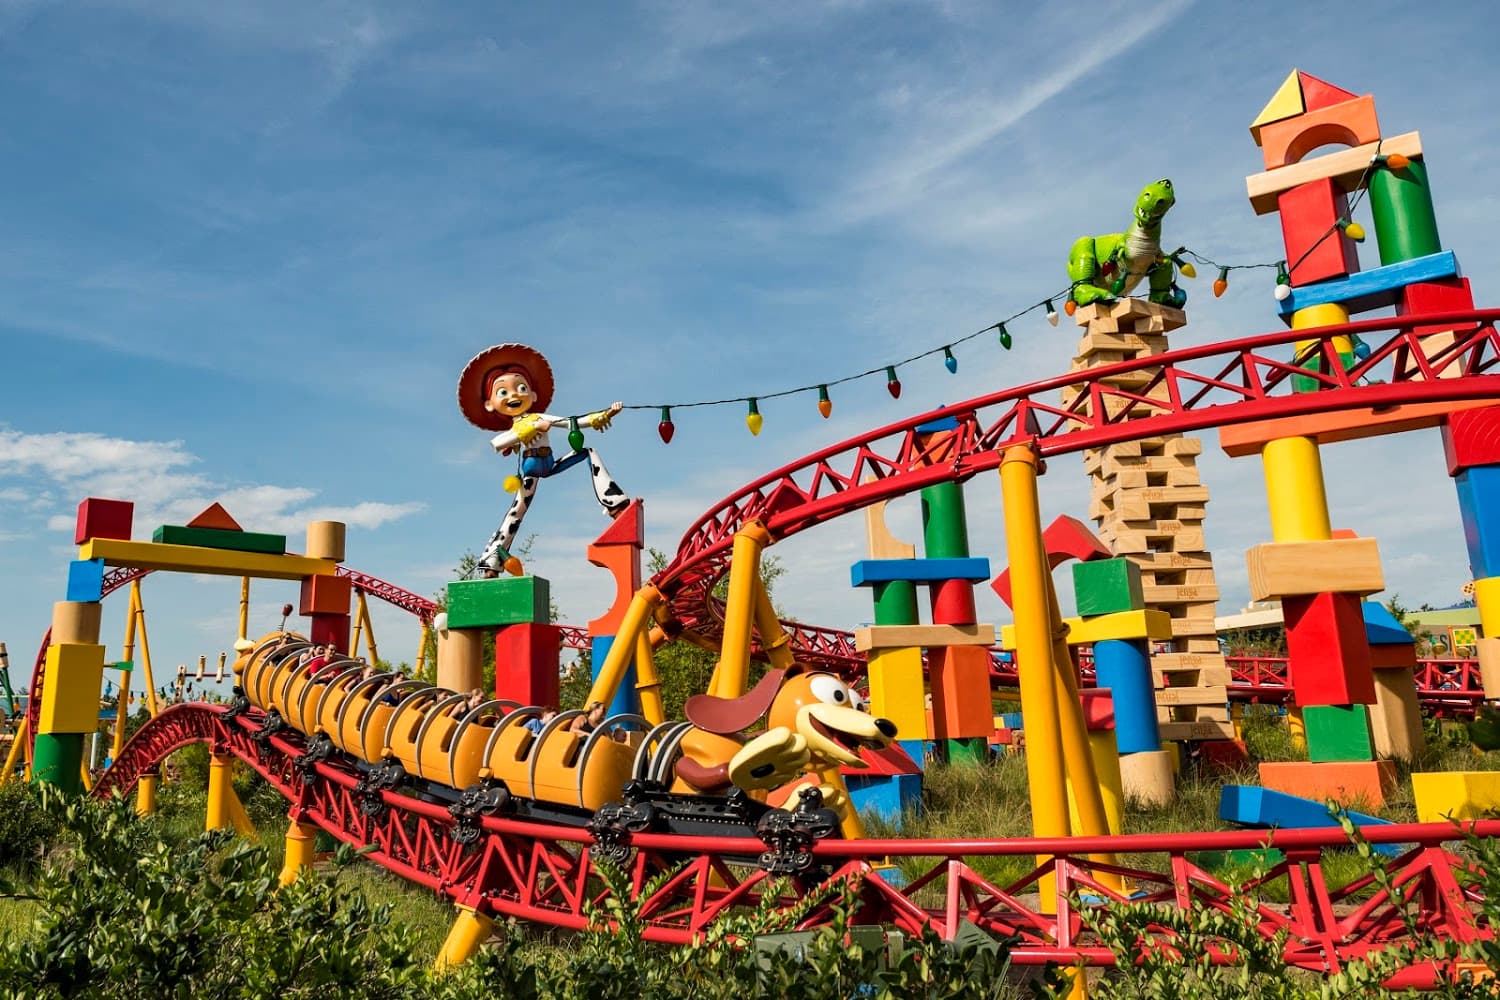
<point x="192" y="559"/>
<point x="1345" y="168"/>
<point x="1337" y="566"/>
<point x="925" y="636"/>
<point x="1176" y="595"/>
<point x="1213" y="695"/>
<point x="1195" y="731"/>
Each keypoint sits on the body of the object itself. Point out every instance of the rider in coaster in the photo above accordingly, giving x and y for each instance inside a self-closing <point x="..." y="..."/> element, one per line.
<point x="506" y="388"/>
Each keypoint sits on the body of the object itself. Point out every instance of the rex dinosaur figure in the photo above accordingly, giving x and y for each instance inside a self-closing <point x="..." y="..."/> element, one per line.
<point x="1105" y="267"/>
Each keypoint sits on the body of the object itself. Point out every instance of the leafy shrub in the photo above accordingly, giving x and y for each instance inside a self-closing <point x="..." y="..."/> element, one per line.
<point x="26" y="828"/>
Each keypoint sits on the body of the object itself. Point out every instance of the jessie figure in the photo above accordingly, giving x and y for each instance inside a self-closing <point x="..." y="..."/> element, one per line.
<point x="507" y="388"/>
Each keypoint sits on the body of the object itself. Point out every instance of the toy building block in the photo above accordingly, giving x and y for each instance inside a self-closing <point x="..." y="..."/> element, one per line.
<point x="1346" y="168"/>
<point x="1470" y="438"/>
<point x="326" y="539"/>
<point x="1105" y="586"/>
<point x="76" y="621"/>
<point x="1478" y="491"/>
<point x="99" y="518"/>
<point x="626" y="699"/>
<point x="216" y="538"/>
<point x="1392" y="656"/>
<point x="505" y="600"/>
<point x="330" y="629"/>
<point x="196" y="559"/>
<point x="888" y="796"/>
<point x="460" y="659"/>
<point x="1252" y="436"/>
<point x="1455" y="795"/>
<point x="325" y="595"/>
<point x="1124" y="667"/>
<point x="618" y="550"/>
<point x="1489" y="666"/>
<point x="1338" y="732"/>
<point x="1402" y="212"/>
<point x="1106" y="761"/>
<point x="1363" y="784"/>
<point x="1319" y="94"/>
<point x="1377" y="288"/>
<point x="1337" y="566"/>
<point x="1285" y="103"/>
<point x="1098" y="709"/>
<point x="961" y="704"/>
<point x="897" y="692"/>
<point x="1326" y="648"/>
<point x="86" y="580"/>
<point x="1308" y="214"/>
<point x="1225" y="756"/>
<point x="1381" y="627"/>
<point x="1065" y="538"/>
<point x="1487" y="597"/>
<point x="868" y="572"/>
<point x="70" y="698"/>
<point x="216" y="517"/>
<point x="526" y="663"/>
<point x="880" y="542"/>
<point x="1148" y="777"/>
<point x="1265" y="808"/>
<point x="925" y="636"/>
<point x="1396" y="716"/>
<point x="953" y="602"/>
<point x="1348" y="123"/>
<point x="1147" y="624"/>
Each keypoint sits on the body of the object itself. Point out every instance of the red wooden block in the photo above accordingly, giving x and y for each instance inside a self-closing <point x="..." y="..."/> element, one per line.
<point x="1307" y="212"/>
<point x="99" y="518"/>
<point x="1327" y="650"/>
<point x="1098" y="708"/>
<point x="961" y="705"/>
<point x="1224" y="755"/>
<point x="330" y="628"/>
<point x="1471" y="438"/>
<point x="216" y="517"/>
<point x="953" y="603"/>
<point x="1319" y="94"/>
<point x="1386" y="657"/>
<point x="1065" y="538"/>
<point x="1447" y="295"/>
<point x="526" y="663"/>
<point x="325" y="595"/>
<point x="627" y="528"/>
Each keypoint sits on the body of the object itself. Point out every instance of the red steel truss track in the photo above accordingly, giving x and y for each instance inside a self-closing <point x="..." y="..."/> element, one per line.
<point x="543" y="873"/>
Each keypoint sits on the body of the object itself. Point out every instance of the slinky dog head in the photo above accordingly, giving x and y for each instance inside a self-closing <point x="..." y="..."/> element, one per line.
<point x="817" y="705"/>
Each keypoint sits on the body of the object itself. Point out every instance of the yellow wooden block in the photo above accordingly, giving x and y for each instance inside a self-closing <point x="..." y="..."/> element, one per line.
<point x="1445" y="795"/>
<point x="1107" y="770"/>
<point x="1285" y="103"/>
<point x="70" y="696"/>
<point x="1487" y="597"/>
<point x="927" y="636"/>
<point x="896" y="691"/>
<point x="1344" y="168"/>
<point x="1339" y="566"/>
<point x="194" y="559"/>
<point x="1144" y="624"/>
<point x="1489" y="666"/>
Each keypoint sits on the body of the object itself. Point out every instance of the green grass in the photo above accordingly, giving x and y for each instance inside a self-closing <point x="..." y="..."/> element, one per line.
<point x="16" y="916"/>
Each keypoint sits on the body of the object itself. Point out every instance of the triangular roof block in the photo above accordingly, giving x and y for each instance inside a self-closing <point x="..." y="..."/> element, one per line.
<point x="216" y="517"/>
<point x="628" y="527"/>
<point x="1287" y="103"/>
<point x="1319" y="94"/>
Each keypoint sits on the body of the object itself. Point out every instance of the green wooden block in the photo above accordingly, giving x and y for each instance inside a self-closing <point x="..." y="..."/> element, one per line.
<point x="214" y="538"/>
<point x="968" y="751"/>
<point x="505" y="600"/>
<point x="1105" y="586"/>
<point x="1338" y="732"/>
<point x="1267" y="857"/>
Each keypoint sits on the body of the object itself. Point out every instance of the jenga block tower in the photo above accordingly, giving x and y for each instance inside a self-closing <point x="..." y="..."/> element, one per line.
<point x="1150" y="505"/>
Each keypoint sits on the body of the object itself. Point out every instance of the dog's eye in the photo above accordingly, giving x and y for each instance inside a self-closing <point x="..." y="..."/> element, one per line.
<point x="826" y="687"/>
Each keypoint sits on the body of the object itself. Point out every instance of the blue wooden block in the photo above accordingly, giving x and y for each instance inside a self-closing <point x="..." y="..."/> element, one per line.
<point x="1011" y="720"/>
<point x="868" y="572"/>
<point x="1381" y="627"/>
<point x="627" y="699"/>
<point x="1251" y="805"/>
<point x="940" y="424"/>
<point x="916" y="750"/>
<point x="86" y="580"/>
<point x="1377" y="288"/>
<point x="1124" y="666"/>
<point x="1479" y="510"/>
<point x="885" y="795"/>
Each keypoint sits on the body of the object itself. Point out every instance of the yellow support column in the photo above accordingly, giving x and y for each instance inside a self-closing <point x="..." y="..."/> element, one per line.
<point x="139" y="611"/>
<point x="1294" y="490"/>
<point x="301" y="840"/>
<point x="470" y="930"/>
<point x="773" y="638"/>
<point x="637" y="619"/>
<point x="244" y="608"/>
<point x="422" y="649"/>
<point x="647" y="683"/>
<point x="145" y="795"/>
<point x="16" y="746"/>
<point x="220" y="792"/>
<point x="1045" y="772"/>
<point x="731" y="677"/>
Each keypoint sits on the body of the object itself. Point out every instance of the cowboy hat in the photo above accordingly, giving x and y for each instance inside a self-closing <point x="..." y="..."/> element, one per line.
<point x="479" y="374"/>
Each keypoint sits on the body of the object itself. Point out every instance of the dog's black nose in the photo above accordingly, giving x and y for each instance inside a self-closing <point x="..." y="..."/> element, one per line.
<point x="887" y="728"/>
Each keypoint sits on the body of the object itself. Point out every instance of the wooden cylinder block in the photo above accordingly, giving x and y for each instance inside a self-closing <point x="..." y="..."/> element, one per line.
<point x="1147" y="777"/>
<point x="460" y="659"/>
<point x="75" y="621"/>
<point x="325" y="540"/>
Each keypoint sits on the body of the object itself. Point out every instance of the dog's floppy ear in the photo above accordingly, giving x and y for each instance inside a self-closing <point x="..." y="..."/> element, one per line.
<point x="727" y="716"/>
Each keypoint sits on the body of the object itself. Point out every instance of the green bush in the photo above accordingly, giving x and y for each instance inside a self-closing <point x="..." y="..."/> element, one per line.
<point x="26" y="828"/>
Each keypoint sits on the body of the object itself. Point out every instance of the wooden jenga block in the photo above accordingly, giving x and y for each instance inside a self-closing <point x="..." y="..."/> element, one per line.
<point x="1208" y="729"/>
<point x="1190" y="676"/>
<point x="1216" y="695"/>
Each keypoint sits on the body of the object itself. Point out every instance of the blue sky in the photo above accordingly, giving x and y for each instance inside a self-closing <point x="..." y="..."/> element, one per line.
<point x="247" y="249"/>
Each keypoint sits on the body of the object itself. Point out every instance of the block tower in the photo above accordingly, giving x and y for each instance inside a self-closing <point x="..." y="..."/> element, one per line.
<point x="1150" y="505"/>
<point x="1355" y="705"/>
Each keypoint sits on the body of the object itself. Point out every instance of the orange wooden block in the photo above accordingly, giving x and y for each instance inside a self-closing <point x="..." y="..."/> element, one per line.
<point x="325" y="595"/>
<point x="1350" y="123"/>
<point x="961" y="705"/>
<point x="1348" y="425"/>
<point x="624" y="564"/>
<point x="1356" y="783"/>
<point x="216" y="517"/>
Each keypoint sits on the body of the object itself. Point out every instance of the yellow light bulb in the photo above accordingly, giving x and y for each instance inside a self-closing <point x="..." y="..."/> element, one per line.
<point x="754" y="421"/>
<point x="512" y="484"/>
<point x="1187" y="269"/>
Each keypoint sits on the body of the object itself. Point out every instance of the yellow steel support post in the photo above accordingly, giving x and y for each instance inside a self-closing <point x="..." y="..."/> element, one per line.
<point x="220" y="791"/>
<point x="647" y="683"/>
<point x="139" y="612"/>
<point x="1045" y="771"/>
<point x="637" y="620"/>
<point x="359" y="625"/>
<point x="301" y="842"/>
<point x="364" y="612"/>
<point x="238" y="817"/>
<point x="422" y="649"/>
<point x="145" y="794"/>
<point x="17" y="746"/>
<point x="731" y="676"/>
<point x="244" y="608"/>
<point x="122" y="713"/>
<point x="773" y="638"/>
<point x="1294" y="490"/>
<point x="83" y="772"/>
<point x="470" y="930"/>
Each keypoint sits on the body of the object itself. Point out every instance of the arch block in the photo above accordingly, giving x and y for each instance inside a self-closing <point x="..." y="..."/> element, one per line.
<point x="1351" y="123"/>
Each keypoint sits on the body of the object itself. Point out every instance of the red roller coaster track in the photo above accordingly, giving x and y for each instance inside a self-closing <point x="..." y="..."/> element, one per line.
<point x="542" y="872"/>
